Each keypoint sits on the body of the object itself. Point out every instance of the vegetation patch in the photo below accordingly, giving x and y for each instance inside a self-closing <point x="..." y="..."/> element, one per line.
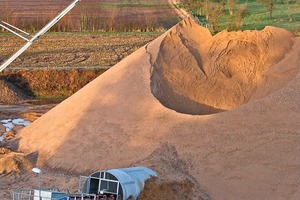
<point x="51" y="83"/>
<point x="242" y="15"/>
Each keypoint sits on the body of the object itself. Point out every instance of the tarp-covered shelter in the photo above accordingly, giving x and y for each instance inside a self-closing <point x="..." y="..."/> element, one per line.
<point x="121" y="183"/>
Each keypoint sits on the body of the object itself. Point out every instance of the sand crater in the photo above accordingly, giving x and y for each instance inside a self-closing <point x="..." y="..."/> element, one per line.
<point x="197" y="73"/>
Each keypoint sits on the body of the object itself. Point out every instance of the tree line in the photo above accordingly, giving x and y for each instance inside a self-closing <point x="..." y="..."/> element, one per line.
<point x="89" y="23"/>
<point x="95" y="16"/>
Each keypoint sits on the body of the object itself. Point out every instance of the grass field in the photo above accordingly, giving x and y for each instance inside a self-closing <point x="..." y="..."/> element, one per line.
<point x="257" y="17"/>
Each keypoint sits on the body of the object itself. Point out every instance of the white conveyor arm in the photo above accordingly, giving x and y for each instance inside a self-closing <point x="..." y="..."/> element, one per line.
<point x="22" y="34"/>
<point x="39" y="34"/>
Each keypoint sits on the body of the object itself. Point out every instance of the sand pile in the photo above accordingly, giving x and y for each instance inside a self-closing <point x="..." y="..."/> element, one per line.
<point x="250" y="152"/>
<point x="196" y="73"/>
<point x="13" y="162"/>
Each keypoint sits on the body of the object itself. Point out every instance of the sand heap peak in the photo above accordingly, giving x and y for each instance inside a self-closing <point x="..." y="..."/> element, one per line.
<point x="196" y="73"/>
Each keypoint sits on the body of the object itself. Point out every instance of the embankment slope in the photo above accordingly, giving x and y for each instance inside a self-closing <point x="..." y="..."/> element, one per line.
<point x="10" y="94"/>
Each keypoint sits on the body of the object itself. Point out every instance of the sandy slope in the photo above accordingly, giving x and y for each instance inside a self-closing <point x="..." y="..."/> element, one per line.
<point x="249" y="152"/>
<point x="10" y="93"/>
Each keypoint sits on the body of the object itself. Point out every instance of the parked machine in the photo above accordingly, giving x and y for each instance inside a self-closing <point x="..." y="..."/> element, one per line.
<point x="120" y="184"/>
<point x="112" y="184"/>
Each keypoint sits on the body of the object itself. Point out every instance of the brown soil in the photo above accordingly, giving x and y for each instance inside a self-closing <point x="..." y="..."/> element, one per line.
<point x="143" y="15"/>
<point x="173" y="181"/>
<point x="50" y="83"/>
<point x="249" y="152"/>
<point x="10" y="93"/>
<point x="55" y="51"/>
<point x="11" y="162"/>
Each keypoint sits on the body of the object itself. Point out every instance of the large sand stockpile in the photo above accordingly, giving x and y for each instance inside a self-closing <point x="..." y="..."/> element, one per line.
<point x="250" y="152"/>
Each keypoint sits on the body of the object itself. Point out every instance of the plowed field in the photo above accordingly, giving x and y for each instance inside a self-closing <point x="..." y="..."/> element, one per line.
<point x="108" y="15"/>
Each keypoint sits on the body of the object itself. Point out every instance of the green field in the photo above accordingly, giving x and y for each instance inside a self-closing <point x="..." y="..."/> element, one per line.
<point x="257" y="17"/>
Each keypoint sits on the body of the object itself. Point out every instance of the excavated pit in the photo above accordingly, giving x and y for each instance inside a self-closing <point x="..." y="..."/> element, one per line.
<point x="200" y="74"/>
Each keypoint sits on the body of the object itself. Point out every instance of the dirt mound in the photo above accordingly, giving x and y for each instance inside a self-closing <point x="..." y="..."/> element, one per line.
<point x="51" y="83"/>
<point x="174" y="181"/>
<point x="11" y="162"/>
<point x="9" y="93"/>
<point x="196" y="73"/>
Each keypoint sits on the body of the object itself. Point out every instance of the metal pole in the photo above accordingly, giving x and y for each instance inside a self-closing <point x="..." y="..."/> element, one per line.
<point x="118" y="185"/>
<point x="14" y="32"/>
<point x="39" y="34"/>
<point x="38" y="171"/>
<point x="3" y="22"/>
<point x="13" y="57"/>
<point x="40" y="186"/>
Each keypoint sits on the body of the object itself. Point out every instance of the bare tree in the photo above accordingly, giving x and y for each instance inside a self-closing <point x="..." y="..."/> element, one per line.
<point x="240" y="15"/>
<point x="195" y="5"/>
<point x="293" y="7"/>
<point x="235" y="21"/>
<point x="269" y="5"/>
<point x="112" y="19"/>
<point x="231" y="5"/>
<point x="214" y="12"/>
